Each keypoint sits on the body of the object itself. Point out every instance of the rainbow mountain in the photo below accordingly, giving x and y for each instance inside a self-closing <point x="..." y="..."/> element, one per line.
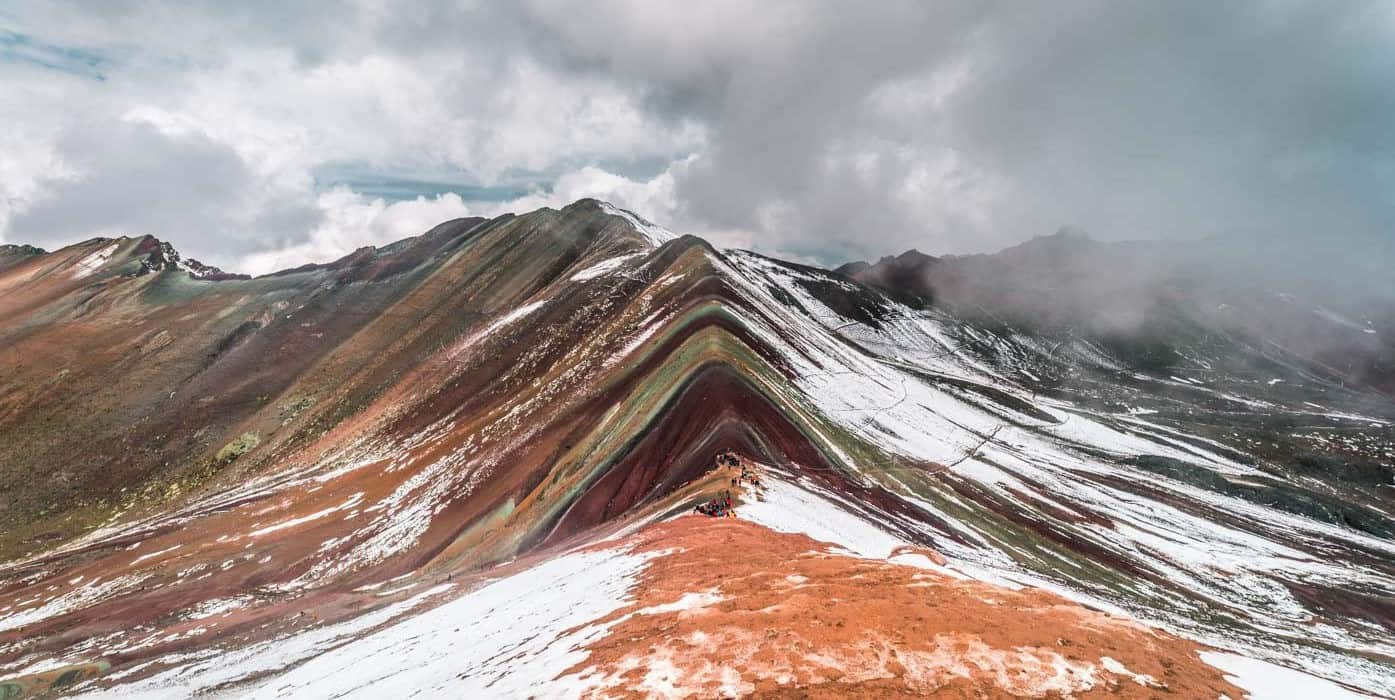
<point x="466" y="464"/>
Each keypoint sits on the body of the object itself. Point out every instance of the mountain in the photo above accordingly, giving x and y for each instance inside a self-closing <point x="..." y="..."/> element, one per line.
<point x="901" y="275"/>
<point x="467" y="464"/>
<point x="11" y="254"/>
<point x="1188" y="305"/>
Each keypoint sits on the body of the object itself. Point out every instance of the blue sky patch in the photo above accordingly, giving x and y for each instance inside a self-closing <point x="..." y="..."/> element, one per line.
<point x="17" y="47"/>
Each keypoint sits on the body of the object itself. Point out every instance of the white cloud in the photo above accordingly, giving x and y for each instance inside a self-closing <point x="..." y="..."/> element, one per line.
<point x="804" y="129"/>
<point x="135" y="155"/>
<point x="351" y="221"/>
<point x="654" y="198"/>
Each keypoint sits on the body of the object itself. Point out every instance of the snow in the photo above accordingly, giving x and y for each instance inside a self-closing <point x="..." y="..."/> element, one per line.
<point x="1118" y="668"/>
<point x="93" y="261"/>
<point x="687" y="603"/>
<point x="886" y="395"/>
<point x="603" y="267"/>
<point x="655" y="234"/>
<point x="353" y="501"/>
<point x="1266" y="681"/>
<point x="513" y="637"/>
<point x="648" y="328"/>
<point x="784" y="507"/>
<point x="76" y="599"/>
<point x="152" y="555"/>
<point x="512" y="316"/>
<point x="218" y="606"/>
<point x="1334" y="317"/>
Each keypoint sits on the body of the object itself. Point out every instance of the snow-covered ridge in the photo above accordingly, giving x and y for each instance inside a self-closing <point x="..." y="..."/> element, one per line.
<point x="655" y="234"/>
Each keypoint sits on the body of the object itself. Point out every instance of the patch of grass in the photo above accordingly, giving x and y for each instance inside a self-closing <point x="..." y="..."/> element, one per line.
<point x="238" y="447"/>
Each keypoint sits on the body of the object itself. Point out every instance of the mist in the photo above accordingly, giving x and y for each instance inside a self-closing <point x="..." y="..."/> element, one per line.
<point x="816" y="132"/>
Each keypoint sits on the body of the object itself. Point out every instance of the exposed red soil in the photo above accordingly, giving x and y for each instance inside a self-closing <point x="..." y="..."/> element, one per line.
<point x="734" y="608"/>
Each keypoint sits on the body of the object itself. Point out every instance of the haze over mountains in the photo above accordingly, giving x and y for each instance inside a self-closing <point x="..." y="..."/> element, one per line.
<point x="466" y="463"/>
<point x="1150" y="299"/>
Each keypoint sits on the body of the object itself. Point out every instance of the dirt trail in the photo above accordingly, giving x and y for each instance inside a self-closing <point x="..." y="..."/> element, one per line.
<point x="737" y="609"/>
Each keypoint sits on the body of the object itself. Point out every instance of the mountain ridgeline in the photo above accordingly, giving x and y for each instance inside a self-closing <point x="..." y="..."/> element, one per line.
<point x="175" y="439"/>
<point x="1157" y="305"/>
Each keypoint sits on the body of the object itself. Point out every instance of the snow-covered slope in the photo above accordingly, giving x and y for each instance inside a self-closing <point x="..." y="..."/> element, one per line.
<point x="1041" y="491"/>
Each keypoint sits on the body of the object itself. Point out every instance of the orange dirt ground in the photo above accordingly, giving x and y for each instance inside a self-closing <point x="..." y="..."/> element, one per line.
<point x="734" y="608"/>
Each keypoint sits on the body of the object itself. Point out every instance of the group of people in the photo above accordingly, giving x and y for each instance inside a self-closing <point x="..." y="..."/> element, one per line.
<point x="719" y="507"/>
<point x="747" y="476"/>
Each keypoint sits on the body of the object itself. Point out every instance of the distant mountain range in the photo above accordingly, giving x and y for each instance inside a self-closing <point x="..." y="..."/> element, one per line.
<point x="1156" y="304"/>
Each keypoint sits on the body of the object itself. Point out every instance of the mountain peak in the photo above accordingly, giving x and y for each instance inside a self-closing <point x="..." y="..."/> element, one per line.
<point x="158" y="256"/>
<point x="914" y="257"/>
<point x="12" y="253"/>
<point x="655" y="234"/>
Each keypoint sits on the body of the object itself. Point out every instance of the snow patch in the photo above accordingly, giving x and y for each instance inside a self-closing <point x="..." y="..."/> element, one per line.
<point x="510" y="638"/>
<point x="688" y="603"/>
<point x="93" y="262"/>
<point x="655" y="234"/>
<point x="603" y="267"/>
<point x="512" y="316"/>
<point x="1266" y="681"/>
<point x="784" y="507"/>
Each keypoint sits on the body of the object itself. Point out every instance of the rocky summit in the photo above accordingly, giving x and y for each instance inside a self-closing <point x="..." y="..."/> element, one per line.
<point x="572" y="454"/>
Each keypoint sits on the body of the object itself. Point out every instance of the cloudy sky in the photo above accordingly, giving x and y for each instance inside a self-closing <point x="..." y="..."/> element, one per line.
<point x="259" y="135"/>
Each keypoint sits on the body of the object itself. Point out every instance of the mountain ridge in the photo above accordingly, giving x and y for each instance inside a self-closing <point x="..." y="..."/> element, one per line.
<point x="321" y="454"/>
<point x="1141" y="296"/>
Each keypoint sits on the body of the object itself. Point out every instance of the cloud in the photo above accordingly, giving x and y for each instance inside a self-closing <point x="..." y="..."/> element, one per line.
<point x="351" y="221"/>
<point x="817" y="130"/>
<point x="962" y="127"/>
<point x="218" y="149"/>
<point x="133" y="178"/>
<point x="655" y="196"/>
